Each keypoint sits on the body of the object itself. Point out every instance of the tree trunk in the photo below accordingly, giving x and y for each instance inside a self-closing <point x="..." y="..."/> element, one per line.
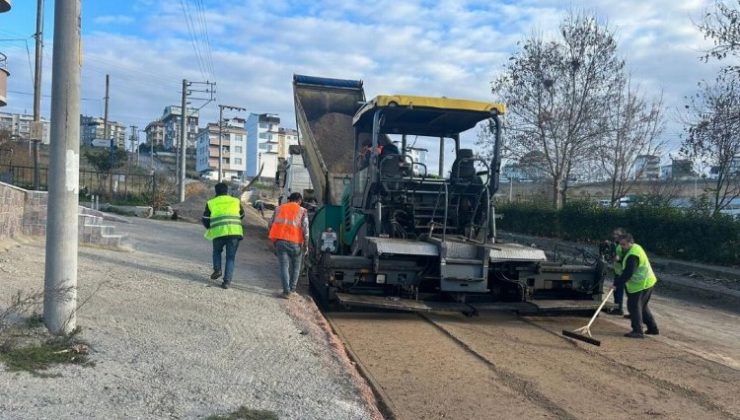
<point x="557" y="193"/>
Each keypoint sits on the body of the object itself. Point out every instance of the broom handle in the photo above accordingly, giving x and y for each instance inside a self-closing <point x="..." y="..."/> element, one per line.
<point x="603" y="302"/>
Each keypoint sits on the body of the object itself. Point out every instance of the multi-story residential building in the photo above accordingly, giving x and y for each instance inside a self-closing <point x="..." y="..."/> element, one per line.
<point x="286" y="137"/>
<point x="20" y="125"/>
<point x="262" y="144"/>
<point x="646" y="167"/>
<point x="234" y="142"/>
<point x="171" y="121"/>
<point x="419" y="156"/>
<point x="679" y="169"/>
<point x="92" y="128"/>
<point x="155" y="133"/>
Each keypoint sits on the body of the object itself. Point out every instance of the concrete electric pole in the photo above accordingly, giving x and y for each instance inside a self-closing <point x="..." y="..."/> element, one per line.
<point x="106" y="135"/>
<point x="60" y="278"/>
<point x="37" y="130"/>
<point x="183" y="139"/>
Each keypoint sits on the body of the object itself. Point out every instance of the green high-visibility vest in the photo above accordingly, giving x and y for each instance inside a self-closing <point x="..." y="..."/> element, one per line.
<point x="225" y="220"/>
<point x="643" y="277"/>
<point x="619" y="252"/>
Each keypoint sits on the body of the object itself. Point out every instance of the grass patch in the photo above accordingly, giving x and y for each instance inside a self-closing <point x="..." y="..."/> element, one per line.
<point x="38" y="357"/>
<point x="34" y="321"/>
<point x="247" y="414"/>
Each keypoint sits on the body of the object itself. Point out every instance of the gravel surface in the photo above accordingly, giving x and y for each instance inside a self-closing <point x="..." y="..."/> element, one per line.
<point x="169" y="344"/>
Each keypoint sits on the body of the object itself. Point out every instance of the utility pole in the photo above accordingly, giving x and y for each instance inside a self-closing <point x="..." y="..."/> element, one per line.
<point x="60" y="277"/>
<point x="107" y="136"/>
<point x="220" y="143"/>
<point x="183" y="139"/>
<point x="182" y="155"/>
<point x="37" y="130"/>
<point x="220" y="136"/>
<point x="135" y="143"/>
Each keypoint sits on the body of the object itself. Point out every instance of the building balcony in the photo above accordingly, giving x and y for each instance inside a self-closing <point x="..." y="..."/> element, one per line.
<point x="4" y="73"/>
<point x="224" y="142"/>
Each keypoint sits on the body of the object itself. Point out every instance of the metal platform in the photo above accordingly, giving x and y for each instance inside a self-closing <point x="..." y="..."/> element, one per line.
<point x="537" y="306"/>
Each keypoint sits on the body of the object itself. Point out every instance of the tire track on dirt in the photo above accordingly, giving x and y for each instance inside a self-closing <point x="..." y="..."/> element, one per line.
<point x="517" y="383"/>
<point x="693" y="395"/>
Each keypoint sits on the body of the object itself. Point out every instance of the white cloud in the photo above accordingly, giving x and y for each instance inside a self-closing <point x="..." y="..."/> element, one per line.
<point x="449" y="47"/>
<point x="113" y="20"/>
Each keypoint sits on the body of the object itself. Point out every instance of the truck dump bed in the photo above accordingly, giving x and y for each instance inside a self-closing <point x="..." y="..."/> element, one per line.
<point x="324" y="109"/>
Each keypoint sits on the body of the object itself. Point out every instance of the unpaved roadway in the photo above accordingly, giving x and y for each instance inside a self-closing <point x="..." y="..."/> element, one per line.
<point x="500" y="365"/>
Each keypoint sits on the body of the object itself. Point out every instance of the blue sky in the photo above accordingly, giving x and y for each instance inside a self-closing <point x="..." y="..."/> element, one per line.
<point x="452" y="48"/>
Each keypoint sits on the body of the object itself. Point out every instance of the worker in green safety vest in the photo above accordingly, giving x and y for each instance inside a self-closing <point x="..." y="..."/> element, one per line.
<point x="617" y="260"/>
<point x="639" y="280"/>
<point x="223" y="220"/>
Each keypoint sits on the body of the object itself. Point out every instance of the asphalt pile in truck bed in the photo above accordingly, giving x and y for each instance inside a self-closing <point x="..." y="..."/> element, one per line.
<point x="334" y="135"/>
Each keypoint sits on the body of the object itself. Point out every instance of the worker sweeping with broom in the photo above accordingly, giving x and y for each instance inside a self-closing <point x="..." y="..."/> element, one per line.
<point x="639" y="280"/>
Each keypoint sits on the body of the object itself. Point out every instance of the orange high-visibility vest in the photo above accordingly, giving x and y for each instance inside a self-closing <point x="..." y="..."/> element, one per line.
<point x="287" y="225"/>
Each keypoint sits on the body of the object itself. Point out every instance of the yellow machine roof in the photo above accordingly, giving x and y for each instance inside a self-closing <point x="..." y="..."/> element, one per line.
<point x="423" y="115"/>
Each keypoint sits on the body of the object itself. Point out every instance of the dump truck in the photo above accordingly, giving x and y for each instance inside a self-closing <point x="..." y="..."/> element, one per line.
<point x="389" y="231"/>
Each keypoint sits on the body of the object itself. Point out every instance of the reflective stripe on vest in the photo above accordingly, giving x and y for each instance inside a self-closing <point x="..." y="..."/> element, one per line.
<point x="287" y="225"/>
<point x="619" y="252"/>
<point x="643" y="277"/>
<point x="225" y="220"/>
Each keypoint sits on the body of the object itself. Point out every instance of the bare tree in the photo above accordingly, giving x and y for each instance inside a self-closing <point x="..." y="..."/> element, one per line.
<point x="635" y="123"/>
<point x="713" y="136"/>
<point x="722" y="25"/>
<point x="558" y="93"/>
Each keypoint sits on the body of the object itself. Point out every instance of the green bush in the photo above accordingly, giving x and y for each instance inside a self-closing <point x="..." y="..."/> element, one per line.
<point x="665" y="231"/>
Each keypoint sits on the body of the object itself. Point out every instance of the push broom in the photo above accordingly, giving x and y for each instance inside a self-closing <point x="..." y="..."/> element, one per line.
<point x="584" y="333"/>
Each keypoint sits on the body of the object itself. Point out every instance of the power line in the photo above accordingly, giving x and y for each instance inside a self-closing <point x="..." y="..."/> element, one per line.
<point x="209" y="47"/>
<point x="193" y="38"/>
<point x="17" y="92"/>
<point x="30" y="66"/>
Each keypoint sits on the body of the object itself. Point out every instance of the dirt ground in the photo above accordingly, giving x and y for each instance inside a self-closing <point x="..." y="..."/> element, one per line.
<point x="500" y="365"/>
<point x="167" y="343"/>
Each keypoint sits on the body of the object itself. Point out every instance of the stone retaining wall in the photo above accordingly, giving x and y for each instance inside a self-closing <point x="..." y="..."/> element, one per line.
<point x="12" y="204"/>
<point x="25" y="212"/>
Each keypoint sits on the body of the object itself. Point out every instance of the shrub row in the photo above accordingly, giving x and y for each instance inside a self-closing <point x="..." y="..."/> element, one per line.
<point x="665" y="231"/>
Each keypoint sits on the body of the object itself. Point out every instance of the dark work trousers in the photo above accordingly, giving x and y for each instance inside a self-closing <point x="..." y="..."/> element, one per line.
<point x="618" y="295"/>
<point x="637" y="304"/>
<point x="231" y="243"/>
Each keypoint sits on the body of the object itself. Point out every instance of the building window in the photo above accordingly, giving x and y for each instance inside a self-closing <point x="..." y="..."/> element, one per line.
<point x="237" y="149"/>
<point x="264" y="136"/>
<point x="264" y="146"/>
<point x="263" y="125"/>
<point x="237" y="161"/>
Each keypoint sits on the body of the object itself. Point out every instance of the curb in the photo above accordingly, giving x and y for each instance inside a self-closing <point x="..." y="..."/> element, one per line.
<point x="386" y="407"/>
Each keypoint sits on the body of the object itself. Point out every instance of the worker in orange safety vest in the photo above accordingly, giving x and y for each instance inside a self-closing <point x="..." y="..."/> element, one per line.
<point x="289" y="234"/>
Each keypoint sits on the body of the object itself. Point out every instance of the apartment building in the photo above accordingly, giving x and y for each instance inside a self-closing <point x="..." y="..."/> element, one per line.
<point x="286" y="137"/>
<point x="171" y="117"/>
<point x="93" y="128"/>
<point x="19" y="125"/>
<point x="233" y="154"/>
<point x="646" y="167"/>
<point x="263" y="131"/>
<point x="155" y="133"/>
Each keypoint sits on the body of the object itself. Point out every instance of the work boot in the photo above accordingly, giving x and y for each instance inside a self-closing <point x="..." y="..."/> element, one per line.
<point x="652" y="331"/>
<point x="635" y="334"/>
<point x="286" y="295"/>
<point x="225" y="285"/>
<point x="615" y="311"/>
<point x="216" y="274"/>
